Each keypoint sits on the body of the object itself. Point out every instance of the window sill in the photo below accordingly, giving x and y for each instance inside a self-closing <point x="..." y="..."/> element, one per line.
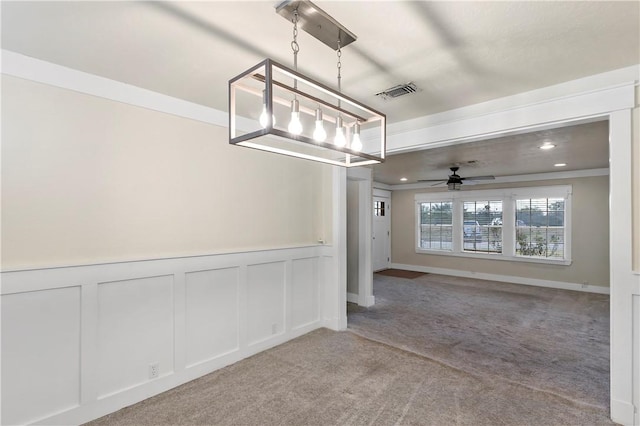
<point x="496" y="256"/>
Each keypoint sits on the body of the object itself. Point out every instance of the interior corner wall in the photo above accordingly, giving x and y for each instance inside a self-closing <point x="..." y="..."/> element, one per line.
<point x="636" y="181"/>
<point x="353" y="240"/>
<point x="325" y="206"/>
<point x="86" y="179"/>
<point x="590" y="238"/>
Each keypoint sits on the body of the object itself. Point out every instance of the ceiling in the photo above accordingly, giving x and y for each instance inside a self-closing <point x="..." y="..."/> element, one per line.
<point x="580" y="147"/>
<point x="457" y="53"/>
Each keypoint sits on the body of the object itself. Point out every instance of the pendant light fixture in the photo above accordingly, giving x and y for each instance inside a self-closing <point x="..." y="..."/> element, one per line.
<point x="322" y="124"/>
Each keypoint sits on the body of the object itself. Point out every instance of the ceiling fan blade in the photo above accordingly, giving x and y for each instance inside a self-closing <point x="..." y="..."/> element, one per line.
<point x="442" y="182"/>
<point x="432" y="180"/>
<point x="479" y="178"/>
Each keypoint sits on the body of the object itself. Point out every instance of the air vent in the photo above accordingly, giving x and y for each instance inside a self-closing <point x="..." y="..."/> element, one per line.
<point x="397" y="91"/>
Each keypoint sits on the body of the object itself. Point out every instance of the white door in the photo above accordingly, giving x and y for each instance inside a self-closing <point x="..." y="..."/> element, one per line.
<point x="381" y="233"/>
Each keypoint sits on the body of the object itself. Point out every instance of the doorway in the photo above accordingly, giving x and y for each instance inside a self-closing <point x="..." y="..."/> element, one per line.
<point x="381" y="229"/>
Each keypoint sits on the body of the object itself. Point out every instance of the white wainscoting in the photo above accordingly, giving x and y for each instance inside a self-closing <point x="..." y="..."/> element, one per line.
<point x="78" y="342"/>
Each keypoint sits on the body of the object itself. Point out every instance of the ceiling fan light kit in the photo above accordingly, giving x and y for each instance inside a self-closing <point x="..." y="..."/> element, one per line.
<point x="455" y="181"/>
<point x="278" y="109"/>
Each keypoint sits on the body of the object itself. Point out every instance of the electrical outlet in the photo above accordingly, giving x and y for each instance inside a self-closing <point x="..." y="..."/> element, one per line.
<point x="274" y="328"/>
<point x="585" y="284"/>
<point x="154" y="370"/>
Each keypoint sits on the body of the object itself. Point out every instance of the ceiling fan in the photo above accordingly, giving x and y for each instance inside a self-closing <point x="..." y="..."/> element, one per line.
<point x="454" y="182"/>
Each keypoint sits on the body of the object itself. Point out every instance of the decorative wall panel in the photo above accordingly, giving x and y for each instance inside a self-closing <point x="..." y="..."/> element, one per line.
<point x="304" y="292"/>
<point x="135" y="331"/>
<point x="40" y="354"/>
<point x="212" y="317"/>
<point x="265" y="301"/>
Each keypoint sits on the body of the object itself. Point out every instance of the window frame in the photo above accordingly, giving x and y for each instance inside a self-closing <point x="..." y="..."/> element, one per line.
<point x="508" y="196"/>
<point x="463" y="225"/>
<point x="419" y="222"/>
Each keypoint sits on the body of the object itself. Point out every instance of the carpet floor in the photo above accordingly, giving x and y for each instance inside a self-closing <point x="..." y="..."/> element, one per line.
<point x="555" y="341"/>
<point x="343" y="378"/>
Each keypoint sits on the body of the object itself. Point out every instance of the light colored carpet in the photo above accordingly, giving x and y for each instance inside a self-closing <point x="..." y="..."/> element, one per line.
<point x="548" y="339"/>
<point x="340" y="378"/>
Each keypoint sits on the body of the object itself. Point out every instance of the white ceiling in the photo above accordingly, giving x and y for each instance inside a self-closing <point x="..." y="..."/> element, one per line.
<point x="458" y="53"/>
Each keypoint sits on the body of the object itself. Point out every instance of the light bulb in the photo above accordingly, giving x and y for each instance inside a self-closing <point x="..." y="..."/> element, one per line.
<point x="319" y="134"/>
<point x="339" y="139"/>
<point x="356" y="143"/>
<point x="264" y="116"/>
<point x="295" y="126"/>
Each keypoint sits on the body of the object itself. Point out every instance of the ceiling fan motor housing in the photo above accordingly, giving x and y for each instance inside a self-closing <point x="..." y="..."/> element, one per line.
<point x="454" y="178"/>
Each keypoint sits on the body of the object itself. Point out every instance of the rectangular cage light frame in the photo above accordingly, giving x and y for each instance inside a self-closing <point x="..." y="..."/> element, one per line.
<point x="338" y="104"/>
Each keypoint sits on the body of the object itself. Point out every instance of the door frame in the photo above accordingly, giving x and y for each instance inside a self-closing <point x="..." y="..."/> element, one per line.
<point x="364" y="178"/>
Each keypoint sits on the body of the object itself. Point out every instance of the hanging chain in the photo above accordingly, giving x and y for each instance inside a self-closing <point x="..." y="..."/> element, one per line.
<point x="294" y="44"/>
<point x="339" y="53"/>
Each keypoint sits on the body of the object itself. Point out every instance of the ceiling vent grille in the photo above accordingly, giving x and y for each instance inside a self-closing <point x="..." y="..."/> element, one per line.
<point x="397" y="91"/>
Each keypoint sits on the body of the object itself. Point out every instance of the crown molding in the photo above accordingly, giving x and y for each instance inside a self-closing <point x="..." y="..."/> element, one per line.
<point x="28" y="68"/>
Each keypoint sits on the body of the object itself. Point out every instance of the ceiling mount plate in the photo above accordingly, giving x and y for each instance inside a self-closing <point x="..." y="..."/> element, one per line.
<point x="317" y="22"/>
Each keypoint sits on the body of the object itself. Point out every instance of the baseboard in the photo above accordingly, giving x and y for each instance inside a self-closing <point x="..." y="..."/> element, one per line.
<point x="368" y="300"/>
<point x="622" y="412"/>
<point x="504" y="278"/>
<point x="335" y="323"/>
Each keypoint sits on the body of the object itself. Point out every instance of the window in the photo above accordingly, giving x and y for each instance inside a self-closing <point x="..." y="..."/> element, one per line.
<point x="540" y="227"/>
<point x="519" y="224"/>
<point x="436" y="225"/>
<point x="482" y="226"/>
<point x="378" y="208"/>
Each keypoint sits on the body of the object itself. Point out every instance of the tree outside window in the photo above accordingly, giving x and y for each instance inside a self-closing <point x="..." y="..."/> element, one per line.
<point x="540" y="227"/>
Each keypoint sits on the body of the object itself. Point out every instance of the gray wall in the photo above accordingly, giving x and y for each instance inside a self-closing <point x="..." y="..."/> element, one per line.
<point x="590" y="237"/>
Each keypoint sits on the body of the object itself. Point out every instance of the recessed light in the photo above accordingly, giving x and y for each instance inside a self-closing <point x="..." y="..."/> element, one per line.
<point x="404" y="179"/>
<point x="560" y="164"/>
<point x="547" y="145"/>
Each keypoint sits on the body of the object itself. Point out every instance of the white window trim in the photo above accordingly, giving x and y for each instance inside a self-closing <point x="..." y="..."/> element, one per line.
<point x="508" y="196"/>
<point x="436" y="199"/>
